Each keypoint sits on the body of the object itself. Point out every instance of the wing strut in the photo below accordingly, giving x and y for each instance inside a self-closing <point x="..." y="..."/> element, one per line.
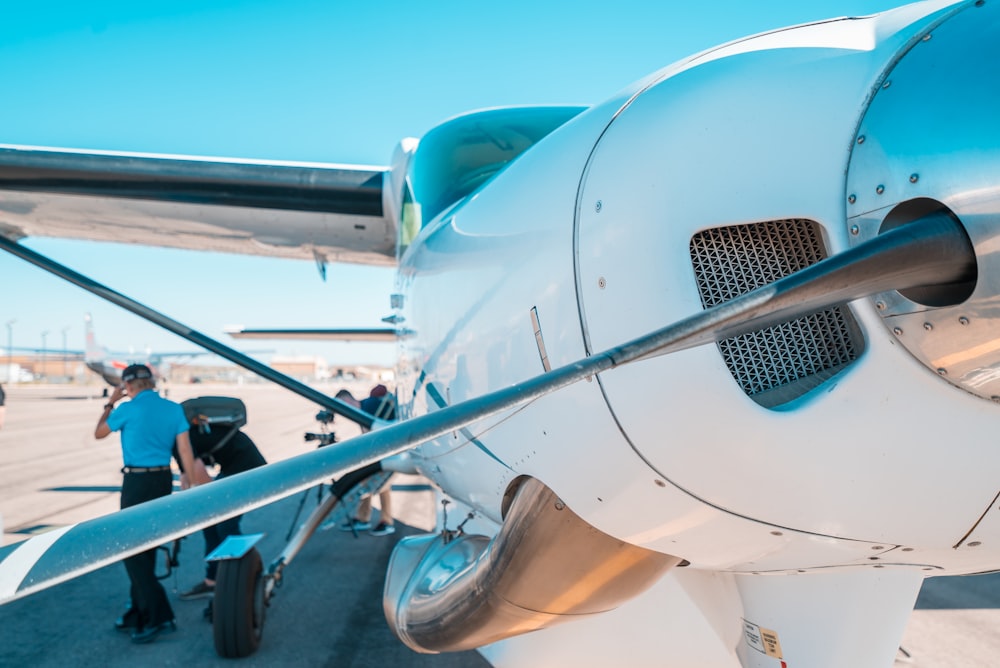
<point x="157" y="318"/>
<point x="931" y="251"/>
<point x="377" y="334"/>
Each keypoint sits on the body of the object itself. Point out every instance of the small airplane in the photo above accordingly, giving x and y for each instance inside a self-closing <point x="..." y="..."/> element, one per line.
<point x="109" y="366"/>
<point x="707" y="369"/>
<point x="105" y="364"/>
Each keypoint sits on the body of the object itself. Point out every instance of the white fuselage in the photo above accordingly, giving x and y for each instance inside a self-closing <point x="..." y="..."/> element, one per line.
<point x="808" y="519"/>
<point x="669" y="453"/>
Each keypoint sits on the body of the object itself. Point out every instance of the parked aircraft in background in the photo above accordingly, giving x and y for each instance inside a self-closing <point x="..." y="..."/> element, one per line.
<point x="708" y="369"/>
<point x="109" y="366"/>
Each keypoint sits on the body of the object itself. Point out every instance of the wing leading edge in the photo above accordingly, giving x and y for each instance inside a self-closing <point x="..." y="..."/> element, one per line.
<point x="326" y="212"/>
<point x="374" y="334"/>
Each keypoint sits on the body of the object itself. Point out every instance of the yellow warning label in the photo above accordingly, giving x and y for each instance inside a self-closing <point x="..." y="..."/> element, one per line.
<point x="769" y="638"/>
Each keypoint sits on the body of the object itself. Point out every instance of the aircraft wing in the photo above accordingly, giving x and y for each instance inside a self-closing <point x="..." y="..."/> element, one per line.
<point x="318" y="211"/>
<point x="377" y="334"/>
<point x="199" y="353"/>
<point x="49" y="351"/>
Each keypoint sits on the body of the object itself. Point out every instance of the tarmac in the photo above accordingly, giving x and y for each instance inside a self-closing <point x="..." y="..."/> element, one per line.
<point x="328" y="611"/>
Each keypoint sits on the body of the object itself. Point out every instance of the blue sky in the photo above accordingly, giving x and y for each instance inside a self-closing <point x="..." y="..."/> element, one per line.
<point x="327" y="81"/>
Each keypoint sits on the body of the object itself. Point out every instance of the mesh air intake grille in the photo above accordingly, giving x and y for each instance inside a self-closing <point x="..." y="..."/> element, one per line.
<point x="777" y="364"/>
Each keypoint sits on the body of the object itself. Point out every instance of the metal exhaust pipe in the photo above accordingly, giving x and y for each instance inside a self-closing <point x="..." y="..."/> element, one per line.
<point x="447" y="593"/>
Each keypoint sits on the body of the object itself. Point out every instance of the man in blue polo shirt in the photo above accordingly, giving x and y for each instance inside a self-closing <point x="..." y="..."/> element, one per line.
<point x="150" y="426"/>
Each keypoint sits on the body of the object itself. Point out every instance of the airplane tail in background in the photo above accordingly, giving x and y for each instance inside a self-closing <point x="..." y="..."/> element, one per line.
<point x="93" y="352"/>
<point x="97" y="358"/>
<point x="109" y="365"/>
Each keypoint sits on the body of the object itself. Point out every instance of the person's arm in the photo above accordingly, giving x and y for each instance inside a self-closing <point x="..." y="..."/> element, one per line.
<point x="200" y="474"/>
<point x="186" y="455"/>
<point x="102" y="430"/>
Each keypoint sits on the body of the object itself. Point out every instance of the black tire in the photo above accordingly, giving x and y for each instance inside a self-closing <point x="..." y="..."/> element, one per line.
<point x="238" y="606"/>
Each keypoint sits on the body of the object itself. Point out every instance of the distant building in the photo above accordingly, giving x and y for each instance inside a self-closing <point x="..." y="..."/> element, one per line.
<point x="52" y="367"/>
<point x="55" y="368"/>
<point x="303" y="368"/>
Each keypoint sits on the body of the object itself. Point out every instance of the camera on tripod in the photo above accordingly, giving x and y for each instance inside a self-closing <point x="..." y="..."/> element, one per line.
<point x="324" y="439"/>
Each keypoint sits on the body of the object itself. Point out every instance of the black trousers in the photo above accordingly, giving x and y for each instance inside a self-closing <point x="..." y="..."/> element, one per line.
<point x="149" y="600"/>
<point x="215" y="534"/>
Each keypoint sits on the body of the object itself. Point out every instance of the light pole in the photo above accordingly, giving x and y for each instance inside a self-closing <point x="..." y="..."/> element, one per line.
<point x="65" y="373"/>
<point x="10" y="349"/>
<point x="43" y="374"/>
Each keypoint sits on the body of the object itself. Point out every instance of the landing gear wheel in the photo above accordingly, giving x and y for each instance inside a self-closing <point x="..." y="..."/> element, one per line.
<point x="238" y="608"/>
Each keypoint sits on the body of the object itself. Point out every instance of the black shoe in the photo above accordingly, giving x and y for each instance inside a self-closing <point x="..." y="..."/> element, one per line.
<point x="125" y="624"/>
<point x="149" y="634"/>
<point x="200" y="590"/>
<point x="383" y="529"/>
<point x="356" y="525"/>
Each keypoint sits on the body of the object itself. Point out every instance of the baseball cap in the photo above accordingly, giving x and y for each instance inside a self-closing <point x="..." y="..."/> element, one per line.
<point x="135" y="371"/>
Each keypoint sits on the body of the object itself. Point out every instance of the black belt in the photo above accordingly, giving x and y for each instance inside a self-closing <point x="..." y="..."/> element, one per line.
<point x="144" y="469"/>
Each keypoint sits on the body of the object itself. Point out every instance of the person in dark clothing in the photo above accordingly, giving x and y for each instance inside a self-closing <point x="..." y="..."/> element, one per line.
<point x="151" y="427"/>
<point x="234" y="452"/>
<point x="2" y="399"/>
<point x="381" y="404"/>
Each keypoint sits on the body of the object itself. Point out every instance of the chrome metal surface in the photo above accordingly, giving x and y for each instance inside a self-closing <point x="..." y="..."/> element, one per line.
<point x="934" y="143"/>
<point x="349" y="502"/>
<point x="545" y="566"/>
<point x="304" y="533"/>
<point x="780" y="363"/>
<point x="539" y="341"/>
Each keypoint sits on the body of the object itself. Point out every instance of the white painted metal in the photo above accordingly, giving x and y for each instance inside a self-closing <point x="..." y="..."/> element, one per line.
<point x="669" y="453"/>
<point x="763" y="136"/>
<point x="786" y="516"/>
<point x="930" y="133"/>
<point x="760" y="135"/>
<point x="859" y="623"/>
